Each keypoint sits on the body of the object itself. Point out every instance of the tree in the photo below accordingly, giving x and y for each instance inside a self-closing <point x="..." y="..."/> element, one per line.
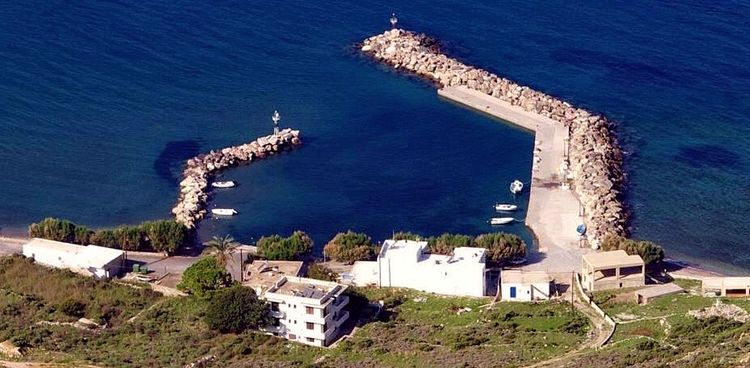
<point x="53" y="229"/>
<point x="166" y="235"/>
<point x="287" y="249"/>
<point x="105" y="238"/>
<point x="319" y="271"/>
<point x="130" y="238"/>
<point x="501" y="247"/>
<point x="235" y="310"/>
<point x="350" y="247"/>
<point x="444" y="244"/>
<point x="406" y="235"/>
<point x="204" y="276"/>
<point x="222" y="248"/>
<point x="650" y="252"/>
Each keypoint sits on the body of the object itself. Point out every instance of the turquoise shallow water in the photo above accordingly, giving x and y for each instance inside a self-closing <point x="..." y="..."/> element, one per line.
<point x="101" y="102"/>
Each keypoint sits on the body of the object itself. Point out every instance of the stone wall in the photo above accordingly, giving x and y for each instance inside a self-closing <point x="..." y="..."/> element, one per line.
<point x="190" y="207"/>
<point x="595" y="157"/>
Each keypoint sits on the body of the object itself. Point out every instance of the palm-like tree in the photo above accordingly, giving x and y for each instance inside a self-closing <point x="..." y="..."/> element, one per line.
<point x="222" y="248"/>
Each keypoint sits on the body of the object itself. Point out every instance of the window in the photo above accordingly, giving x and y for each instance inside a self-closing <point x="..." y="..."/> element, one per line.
<point x="309" y="310"/>
<point x="310" y="325"/>
<point x="292" y="337"/>
<point x="275" y="307"/>
<point x="310" y="339"/>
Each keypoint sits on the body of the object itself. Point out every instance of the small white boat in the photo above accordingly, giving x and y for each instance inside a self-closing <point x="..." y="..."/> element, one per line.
<point x="516" y="186"/>
<point x="501" y="220"/>
<point x="505" y="207"/>
<point x="223" y="211"/>
<point x="223" y="184"/>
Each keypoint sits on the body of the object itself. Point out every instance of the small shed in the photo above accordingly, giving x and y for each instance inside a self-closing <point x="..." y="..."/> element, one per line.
<point x="517" y="285"/>
<point x="643" y="296"/>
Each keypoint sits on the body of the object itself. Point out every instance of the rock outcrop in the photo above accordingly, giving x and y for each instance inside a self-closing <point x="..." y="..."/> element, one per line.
<point x="191" y="206"/>
<point x="595" y="156"/>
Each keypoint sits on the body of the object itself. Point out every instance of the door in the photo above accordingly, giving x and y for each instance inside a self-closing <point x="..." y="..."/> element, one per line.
<point x="512" y="292"/>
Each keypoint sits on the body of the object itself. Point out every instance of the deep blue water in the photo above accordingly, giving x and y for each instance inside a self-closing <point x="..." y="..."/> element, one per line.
<point x="101" y="101"/>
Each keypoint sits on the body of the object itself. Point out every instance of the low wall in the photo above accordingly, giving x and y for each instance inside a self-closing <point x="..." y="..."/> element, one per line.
<point x="594" y="154"/>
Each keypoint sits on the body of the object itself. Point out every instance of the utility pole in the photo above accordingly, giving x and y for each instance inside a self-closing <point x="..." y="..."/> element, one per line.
<point x="572" y="291"/>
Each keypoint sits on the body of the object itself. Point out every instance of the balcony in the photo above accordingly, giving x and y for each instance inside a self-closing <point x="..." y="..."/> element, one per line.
<point x="278" y="330"/>
<point x="340" y="301"/>
<point x="341" y="318"/>
<point x="277" y="314"/>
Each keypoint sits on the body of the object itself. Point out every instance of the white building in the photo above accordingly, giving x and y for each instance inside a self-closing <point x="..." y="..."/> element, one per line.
<point x="406" y="263"/>
<point x="92" y="260"/>
<point x="516" y="285"/>
<point x="304" y="310"/>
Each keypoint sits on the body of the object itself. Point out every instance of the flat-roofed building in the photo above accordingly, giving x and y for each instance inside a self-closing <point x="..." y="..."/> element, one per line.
<point x="517" y="285"/>
<point x="92" y="260"/>
<point x="612" y="270"/>
<point x="304" y="310"/>
<point x="726" y="286"/>
<point x="406" y="263"/>
<point x="307" y="310"/>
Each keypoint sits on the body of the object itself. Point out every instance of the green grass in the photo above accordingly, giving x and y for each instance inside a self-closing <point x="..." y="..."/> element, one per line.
<point x="418" y="330"/>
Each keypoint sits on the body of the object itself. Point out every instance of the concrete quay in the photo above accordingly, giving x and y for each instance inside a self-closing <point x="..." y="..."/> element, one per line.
<point x="553" y="212"/>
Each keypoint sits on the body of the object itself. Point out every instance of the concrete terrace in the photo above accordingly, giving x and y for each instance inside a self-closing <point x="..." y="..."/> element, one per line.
<point x="553" y="212"/>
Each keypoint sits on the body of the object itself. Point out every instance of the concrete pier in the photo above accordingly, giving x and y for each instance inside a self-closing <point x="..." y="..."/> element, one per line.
<point x="553" y="212"/>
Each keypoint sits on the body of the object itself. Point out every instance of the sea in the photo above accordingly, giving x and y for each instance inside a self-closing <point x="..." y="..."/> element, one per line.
<point x="102" y="101"/>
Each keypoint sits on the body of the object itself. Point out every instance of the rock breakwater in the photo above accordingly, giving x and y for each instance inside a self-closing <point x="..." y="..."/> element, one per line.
<point x="191" y="206"/>
<point x="594" y="154"/>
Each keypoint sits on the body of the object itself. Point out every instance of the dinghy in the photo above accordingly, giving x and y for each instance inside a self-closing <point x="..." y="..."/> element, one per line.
<point x="505" y="207"/>
<point x="501" y="220"/>
<point x="223" y="184"/>
<point x="516" y="186"/>
<point x="224" y="211"/>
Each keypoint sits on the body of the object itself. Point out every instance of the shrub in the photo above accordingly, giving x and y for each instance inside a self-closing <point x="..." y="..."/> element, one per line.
<point x="72" y="308"/>
<point x="166" y="235"/>
<point x="319" y="271"/>
<point x="235" y="310"/>
<point x="501" y="247"/>
<point x="650" y="252"/>
<point x="163" y="236"/>
<point x="444" y="244"/>
<point x="405" y="235"/>
<point x="204" y="276"/>
<point x="53" y="229"/>
<point x="350" y="247"/>
<point x="288" y="249"/>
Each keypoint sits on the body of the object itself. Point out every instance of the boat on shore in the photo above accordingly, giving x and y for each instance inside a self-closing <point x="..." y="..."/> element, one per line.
<point x="505" y="207"/>
<point x="516" y="186"/>
<point x="224" y="211"/>
<point x="501" y="220"/>
<point x="223" y="184"/>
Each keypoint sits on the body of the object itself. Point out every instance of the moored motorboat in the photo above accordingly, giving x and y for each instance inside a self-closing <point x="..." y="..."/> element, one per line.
<point x="501" y="220"/>
<point x="516" y="186"/>
<point x="224" y="211"/>
<point x="505" y="207"/>
<point x="223" y="184"/>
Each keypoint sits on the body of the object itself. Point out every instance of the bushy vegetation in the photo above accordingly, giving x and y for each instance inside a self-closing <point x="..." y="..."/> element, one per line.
<point x="319" y="271"/>
<point x="235" y="309"/>
<point x="444" y="244"/>
<point x="204" y="276"/>
<point x="350" y="247"/>
<point x="501" y="247"/>
<point x="291" y="248"/>
<point x="162" y="236"/>
<point x="406" y="235"/>
<point x="222" y="248"/>
<point x="650" y="252"/>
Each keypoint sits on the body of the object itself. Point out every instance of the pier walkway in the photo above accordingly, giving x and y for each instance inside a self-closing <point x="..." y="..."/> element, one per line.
<point x="553" y="211"/>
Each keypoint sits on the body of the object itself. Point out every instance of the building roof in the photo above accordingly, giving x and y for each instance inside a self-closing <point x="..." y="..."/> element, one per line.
<point x="726" y="282"/>
<point x="658" y="290"/>
<point x="306" y="288"/>
<point x="402" y="248"/>
<point x="521" y="277"/>
<point x="262" y="275"/>
<point x="88" y="256"/>
<point x="611" y="259"/>
<point x="469" y="253"/>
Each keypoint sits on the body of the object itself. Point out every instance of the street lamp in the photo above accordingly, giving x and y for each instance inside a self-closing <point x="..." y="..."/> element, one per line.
<point x="394" y="20"/>
<point x="276" y="118"/>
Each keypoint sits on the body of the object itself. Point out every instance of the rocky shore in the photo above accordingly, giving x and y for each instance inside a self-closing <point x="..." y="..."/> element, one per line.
<point x="594" y="154"/>
<point x="191" y="206"/>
